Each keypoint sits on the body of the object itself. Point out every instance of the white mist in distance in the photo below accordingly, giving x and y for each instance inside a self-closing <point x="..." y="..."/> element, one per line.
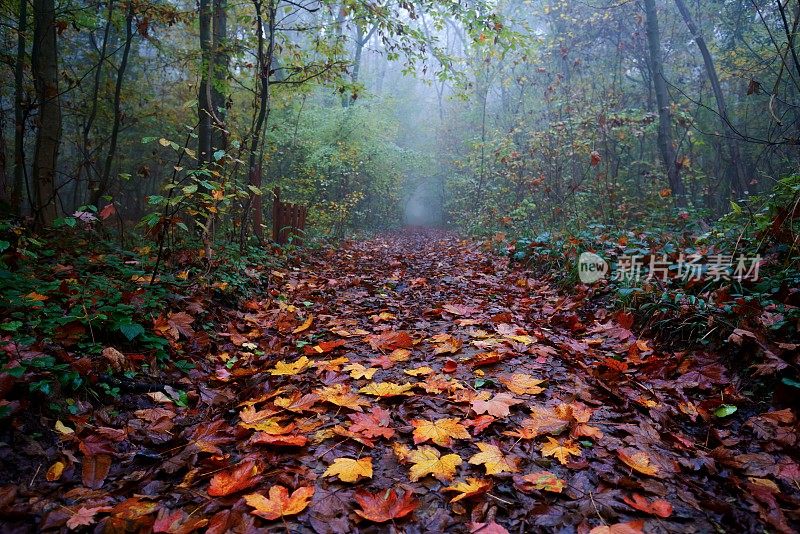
<point x="419" y="209"/>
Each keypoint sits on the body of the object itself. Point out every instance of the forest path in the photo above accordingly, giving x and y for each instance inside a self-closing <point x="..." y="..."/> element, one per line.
<point x="415" y="382"/>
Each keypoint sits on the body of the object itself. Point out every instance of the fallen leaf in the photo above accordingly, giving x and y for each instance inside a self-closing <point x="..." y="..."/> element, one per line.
<point x="541" y="480"/>
<point x="341" y="395"/>
<point x="95" y="470"/>
<point x="358" y="371"/>
<point x="230" y="481"/>
<point x="442" y="432"/>
<point x="387" y="389"/>
<point x="638" y="461"/>
<point x="288" y="369"/>
<point x="493" y="460"/>
<point x="305" y="326"/>
<point x="470" y="488"/>
<point x="350" y="470"/>
<point x="561" y="450"/>
<point x="384" y="505"/>
<point x="499" y="406"/>
<point x="522" y="384"/>
<point x="279" y="503"/>
<point x="84" y="517"/>
<point x="658" y="507"/>
<point x="428" y="461"/>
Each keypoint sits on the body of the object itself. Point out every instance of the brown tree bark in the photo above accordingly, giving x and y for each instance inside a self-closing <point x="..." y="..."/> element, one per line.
<point x="105" y="179"/>
<point x="219" y="138"/>
<point x="665" y="144"/>
<point x="19" y="113"/>
<point x="204" y="93"/>
<point x="738" y="178"/>
<point x="48" y="135"/>
<point x="254" y="201"/>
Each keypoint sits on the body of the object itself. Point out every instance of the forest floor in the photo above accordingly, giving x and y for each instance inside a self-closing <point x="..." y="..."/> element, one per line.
<point x="415" y="382"/>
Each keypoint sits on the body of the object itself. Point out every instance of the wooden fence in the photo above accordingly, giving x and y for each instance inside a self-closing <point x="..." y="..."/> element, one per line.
<point x="287" y="220"/>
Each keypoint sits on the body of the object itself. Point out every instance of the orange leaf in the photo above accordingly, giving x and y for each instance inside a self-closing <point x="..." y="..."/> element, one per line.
<point x="95" y="470"/>
<point x="279" y="503"/>
<point x="305" y="326"/>
<point x="658" y="507"/>
<point x="470" y="488"/>
<point x="230" y="481"/>
<point x="499" y="406"/>
<point x="638" y="461"/>
<point x="561" y="451"/>
<point x="441" y="432"/>
<point x="384" y="506"/>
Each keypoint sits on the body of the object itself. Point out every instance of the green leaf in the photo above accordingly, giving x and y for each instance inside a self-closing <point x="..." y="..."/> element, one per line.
<point x="725" y="410"/>
<point x="4" y="246"/>
<point x="218" y="155"/>
<point x="131" y="330"/>
<point x="791" y="383"/>
<point x="11" y="326"/>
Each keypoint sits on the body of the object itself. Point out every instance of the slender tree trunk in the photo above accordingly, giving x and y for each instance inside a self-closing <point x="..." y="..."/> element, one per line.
<point x="254" y="200"/>
<point x="738" y="179"/>
<point x="48" y="136"/>
<point x="19" y="114"/>
<point x="204" y="94"/>
<point x="105" y="180"/>
<point x="92" y="172"/>
<point x="665" y="146"/>
<point x="219" y="138"/>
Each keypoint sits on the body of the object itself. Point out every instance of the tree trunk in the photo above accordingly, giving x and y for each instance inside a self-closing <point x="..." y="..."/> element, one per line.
<point x="92" y="172"/>
<point x="48" y="136"/>
<point x="105" y="180"/>
<point x="665" y="146"/>
<point x="738" y="179"/>
<point x="19" y="114"/>
<point x="204" y="94"/>
<point x="219" y="138"/>
<point x="254" y="200"/>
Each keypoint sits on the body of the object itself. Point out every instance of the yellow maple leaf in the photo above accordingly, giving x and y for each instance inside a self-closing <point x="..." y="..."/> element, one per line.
<point x="424" y="370"/>
<point x="525" y="340"/>
<point x="428" y="461"/>
<point x="298" y="366"/>
<point x="386" y="389"/>
<point x="522" y="384"/>
<point x="441" y="432"/>
<point x="280" y="503"/>
<point x="470" y="488"/>
<point x="343" y="396"/>
<point x="560" y="450"/>
<point x="399" y="355"/>
<point x="357" y="370"/>
<point x="493" y="459"/>
<point x="350" y="470"/>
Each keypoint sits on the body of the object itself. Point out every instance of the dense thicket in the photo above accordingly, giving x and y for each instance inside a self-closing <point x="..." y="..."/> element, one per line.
<point x="532" y="114"/>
